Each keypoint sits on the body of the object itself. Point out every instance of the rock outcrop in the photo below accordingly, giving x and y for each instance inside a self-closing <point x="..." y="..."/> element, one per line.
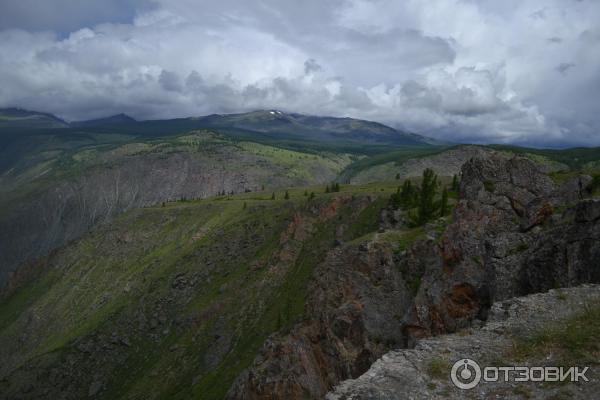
<point x="508" y="238"/>
<point x="424" y="372"/>
<point x="353" y="296"/>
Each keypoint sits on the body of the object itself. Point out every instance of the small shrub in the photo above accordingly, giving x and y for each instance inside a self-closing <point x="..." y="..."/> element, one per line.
<point x="438" y="368"/>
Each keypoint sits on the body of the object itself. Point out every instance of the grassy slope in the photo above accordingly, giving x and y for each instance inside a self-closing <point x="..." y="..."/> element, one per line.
<point x="576" y="158"/>
<point x="53" y="163"/>
<point x="396" y="156"/>
<point x="102" y="283"/>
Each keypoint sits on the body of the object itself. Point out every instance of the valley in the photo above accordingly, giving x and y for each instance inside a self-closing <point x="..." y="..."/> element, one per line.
<point x="264" y="255"/>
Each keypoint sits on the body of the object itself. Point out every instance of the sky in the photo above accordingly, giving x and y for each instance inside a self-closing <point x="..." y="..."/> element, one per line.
<point x="481" y="71"/>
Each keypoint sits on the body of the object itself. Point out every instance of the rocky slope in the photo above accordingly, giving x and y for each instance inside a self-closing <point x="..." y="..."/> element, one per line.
<point x="49" y="203"/>
<point x="444" y="163"/>
<point x="509" y="237"/>
<point x="187" y="292"/>
<point x="424" y="372"/>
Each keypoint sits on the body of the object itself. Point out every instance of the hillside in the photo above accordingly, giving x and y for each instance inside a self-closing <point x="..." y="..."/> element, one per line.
<point x="59" y="180"/>
<point x="56" y="195"/>
<point x="246" y="296"/>
<point x="188" y="292"/>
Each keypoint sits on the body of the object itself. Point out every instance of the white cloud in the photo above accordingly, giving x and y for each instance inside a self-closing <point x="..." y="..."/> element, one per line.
<point x="520" y="71"/>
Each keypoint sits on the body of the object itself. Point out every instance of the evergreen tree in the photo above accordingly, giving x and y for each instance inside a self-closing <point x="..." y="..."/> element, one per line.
<point x="396" y="199"/>
<point x="245" y="205"/>
<point x="336" y="187"/>
<point x="444" y="203"/>
<point x="455" y="183"/>
<point x="312" y="195"/>
<point x="407" y="195"/>
<point x="327" y="189"/>
<point x="273" y="196"/>
<point x="287" y="195"/>
<point x="398" y="176"/>
<point x="427" y="206"/>
<point x="306" y="192"/>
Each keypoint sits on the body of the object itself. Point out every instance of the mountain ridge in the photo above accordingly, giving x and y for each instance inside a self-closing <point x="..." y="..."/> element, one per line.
<point x="273" y="123"/>
<point x="120" y="118"/>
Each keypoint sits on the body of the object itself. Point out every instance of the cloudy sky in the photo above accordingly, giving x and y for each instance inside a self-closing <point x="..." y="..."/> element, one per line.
<point x="520" y="71"/>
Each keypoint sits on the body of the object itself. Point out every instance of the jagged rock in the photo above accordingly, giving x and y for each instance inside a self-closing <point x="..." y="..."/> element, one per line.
<point x="95" y="388"/>
<point x="587" y="211"/>
<point x="407" y="374"/>
<point x="351" y="309"/>
<point x="503" y="243"/>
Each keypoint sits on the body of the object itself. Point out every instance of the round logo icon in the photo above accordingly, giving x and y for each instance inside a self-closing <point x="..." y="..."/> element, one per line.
<point x="465" y="374"/>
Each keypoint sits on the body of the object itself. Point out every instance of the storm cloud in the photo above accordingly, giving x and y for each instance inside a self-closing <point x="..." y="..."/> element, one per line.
<point x="525" y="72"/>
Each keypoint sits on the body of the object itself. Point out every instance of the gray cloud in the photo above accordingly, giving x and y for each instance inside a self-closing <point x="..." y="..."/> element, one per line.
<point x="311" y="66"/>
<point x="481" y="71"/>
<point x="564" y="67"/>
<point x="66" y="15"/>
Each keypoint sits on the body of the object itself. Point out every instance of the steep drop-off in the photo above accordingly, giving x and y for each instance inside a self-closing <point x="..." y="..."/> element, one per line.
<point x="514" y="232"/>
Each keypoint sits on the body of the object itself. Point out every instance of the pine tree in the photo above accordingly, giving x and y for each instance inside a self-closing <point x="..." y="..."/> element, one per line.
<point x="335" y="187"/>
<point x="273" y="196"/>
<point x="444" y="203"/>
<point x="455" y="184"/>
<point x="407" y="195"/>
<point x="287" y="195"/>
<point x="396" y="200"/>
<point x="398" y="176"/>
<point x="312" y="195"/>
<point x="327" y="189"/>
<point x="427" y="207"/>
<point x="245" y="205"/>
<point x="306" y="192"/>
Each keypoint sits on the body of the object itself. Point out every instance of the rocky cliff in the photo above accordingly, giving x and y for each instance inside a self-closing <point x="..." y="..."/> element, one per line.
<point x="514" y="232"/>
<point x="424" y="372"/>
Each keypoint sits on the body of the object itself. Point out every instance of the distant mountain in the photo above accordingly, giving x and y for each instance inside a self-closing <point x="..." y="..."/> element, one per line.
<point x="313" y="127"/>
<point x="17" y="118"/>
<point x="118" y="119"/>
<point x="265" y="125"/>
